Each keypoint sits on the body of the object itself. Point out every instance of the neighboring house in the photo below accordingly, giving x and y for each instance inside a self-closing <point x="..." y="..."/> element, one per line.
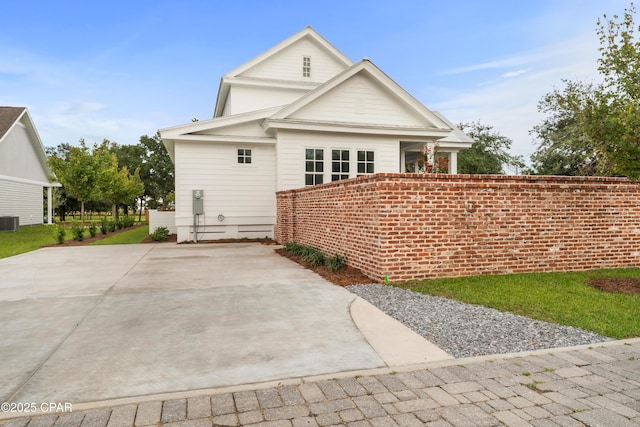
<point x="299" y="114"/>
<point x="23" y="168"/>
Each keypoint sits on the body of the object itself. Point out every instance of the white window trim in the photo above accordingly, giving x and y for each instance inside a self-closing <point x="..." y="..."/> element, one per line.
<point x="324" y="165"/>
<point x="350" y="174"/>
<point x="306" y="68"/>
<point x="375" y="160"/>
<point x="251" y="156"/>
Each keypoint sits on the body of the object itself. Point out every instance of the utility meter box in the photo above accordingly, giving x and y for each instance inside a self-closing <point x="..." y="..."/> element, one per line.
<point x="198" y="202"/>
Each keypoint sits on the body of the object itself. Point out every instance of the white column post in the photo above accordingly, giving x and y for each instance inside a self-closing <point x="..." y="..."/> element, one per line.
<point x="49" y="206"/>
<point x="453" y="162"/>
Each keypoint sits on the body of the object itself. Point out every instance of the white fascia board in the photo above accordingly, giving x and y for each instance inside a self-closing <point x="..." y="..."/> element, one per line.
<point x="223" y="92"/>
<point x="270" y="83"/>
<point x="338" y="127"/>
<point x="226" y="138"/>
<point x="203" y="125"/>
<point x="26" y="121"/>
<point x="457" y="136"/>
<point x="454" y="145"/>
<point x="170" y="146"/>
<point x="413" y="145"/>
<point x="30" y="181"/>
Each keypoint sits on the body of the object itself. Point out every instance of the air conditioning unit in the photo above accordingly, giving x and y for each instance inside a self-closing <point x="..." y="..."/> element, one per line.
<point x="9" y="223"/>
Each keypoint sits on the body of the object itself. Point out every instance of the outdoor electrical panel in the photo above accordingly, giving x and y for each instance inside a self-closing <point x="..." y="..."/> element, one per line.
<point x="198" y="202"/>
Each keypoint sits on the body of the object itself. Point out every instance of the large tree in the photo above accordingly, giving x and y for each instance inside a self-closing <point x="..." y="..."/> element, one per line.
<point x="93" y="175"/>
<point x="115" y="182"/>
<point x="157" y="171"/>
<point x="78" y="173"/>
<point x="594" y="129"/>
<point x="489" y="153"/>
<point x="566" y="148"/>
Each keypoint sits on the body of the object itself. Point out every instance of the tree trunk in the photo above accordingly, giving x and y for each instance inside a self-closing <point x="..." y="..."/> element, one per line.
<point x="114" y="212"/>
<point x="82" y="212"/>
<point x="140" y="214"/>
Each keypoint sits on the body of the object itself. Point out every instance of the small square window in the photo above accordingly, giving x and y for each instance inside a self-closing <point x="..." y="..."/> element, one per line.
<point x="244" y="155"/>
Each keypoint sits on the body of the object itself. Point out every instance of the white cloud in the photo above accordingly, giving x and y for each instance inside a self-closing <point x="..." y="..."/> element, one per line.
<point x="516" y="73"/>
<point x="508" y="101"/>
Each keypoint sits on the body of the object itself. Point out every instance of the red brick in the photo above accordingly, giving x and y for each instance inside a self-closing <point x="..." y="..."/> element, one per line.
<point x="466" y="224"/>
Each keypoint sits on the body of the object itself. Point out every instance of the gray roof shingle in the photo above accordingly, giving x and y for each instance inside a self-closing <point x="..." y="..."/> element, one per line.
<point x="8" y="116"/>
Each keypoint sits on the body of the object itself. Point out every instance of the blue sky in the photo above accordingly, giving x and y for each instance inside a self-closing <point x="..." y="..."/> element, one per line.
<point x="122" y="69"/>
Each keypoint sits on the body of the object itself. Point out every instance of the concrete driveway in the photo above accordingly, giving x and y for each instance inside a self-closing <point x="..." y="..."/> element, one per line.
<point x="82" y="324"/>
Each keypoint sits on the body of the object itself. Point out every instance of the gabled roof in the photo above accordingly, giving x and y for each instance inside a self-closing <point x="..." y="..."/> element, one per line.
<point x="235" y="74"/>
<point x="9" y="118"/>
<point x="431" y="124"/>
<point x="307" y="32"/>
<point x="457" y="135"/>
<point x="194" y="131"/>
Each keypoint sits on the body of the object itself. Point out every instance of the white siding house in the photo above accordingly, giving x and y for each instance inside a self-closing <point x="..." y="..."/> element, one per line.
<point x="23" y="168"/>
<point x="299" y="114"/>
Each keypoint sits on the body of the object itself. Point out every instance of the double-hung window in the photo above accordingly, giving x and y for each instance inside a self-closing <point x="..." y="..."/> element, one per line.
<point x="339" y="164"/>
<point x="365" y="162"/>
<point x="314" y="166"/>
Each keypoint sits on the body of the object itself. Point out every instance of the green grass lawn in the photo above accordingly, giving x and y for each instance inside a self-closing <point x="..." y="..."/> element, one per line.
<point x="136" y="235"/>
<point x="27" y="238"/>
<point x="32" y="237"/>
<point x="562" y="298"/>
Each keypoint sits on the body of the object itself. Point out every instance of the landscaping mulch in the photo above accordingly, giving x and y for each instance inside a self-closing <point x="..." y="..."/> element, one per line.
<point x="351" y="276"/>
<point x="173" y="238"/>
<point x="618" y="285"/>
<point x="344" y="277"/>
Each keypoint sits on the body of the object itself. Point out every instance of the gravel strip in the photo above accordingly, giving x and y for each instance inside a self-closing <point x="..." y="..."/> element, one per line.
<point x="465" y="330"/>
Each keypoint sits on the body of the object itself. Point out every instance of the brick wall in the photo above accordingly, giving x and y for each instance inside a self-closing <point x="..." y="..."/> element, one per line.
<point x="410" y="226"/>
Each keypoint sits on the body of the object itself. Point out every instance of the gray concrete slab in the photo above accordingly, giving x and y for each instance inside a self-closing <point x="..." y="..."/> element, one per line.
<point x="92" y="323"/>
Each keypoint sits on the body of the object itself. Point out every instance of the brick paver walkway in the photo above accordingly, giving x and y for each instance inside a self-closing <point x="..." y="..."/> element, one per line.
<point x="595" y="386"/>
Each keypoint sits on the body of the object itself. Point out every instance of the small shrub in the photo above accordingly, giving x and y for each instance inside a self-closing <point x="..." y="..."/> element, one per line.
<point x="77" y="231"/>
<point x="104" y="225"/>
<point x="160" y="234"/>
<point x="294" y="248"/>
<point x="313" y="256"/>
<point x="129" y="221"/>
<point x="59" y="233"/>
<point x="120" y="223"/>
<point x="112" y="226"/>
<point x="93" y="229"/>
<point x="316" y="258"/>
<point x="336" y="262"/>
